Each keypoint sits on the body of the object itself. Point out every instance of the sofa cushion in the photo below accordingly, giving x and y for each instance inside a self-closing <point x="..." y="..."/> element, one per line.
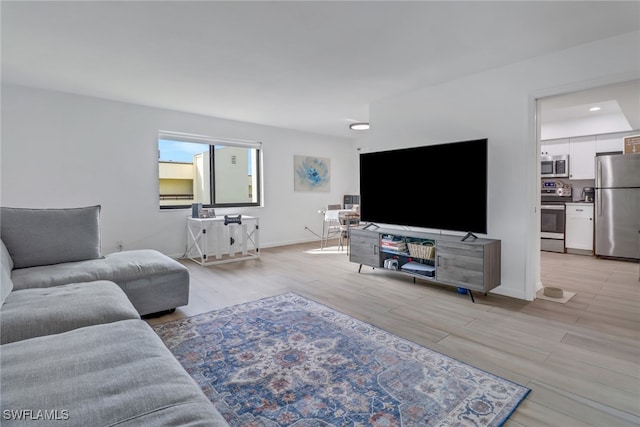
<point x="44" y="311"/>
<point x="117" y="373"/>
<point x="153" y="281"/>
<point x="45" y="276"/>
<point x="50" y="236"/>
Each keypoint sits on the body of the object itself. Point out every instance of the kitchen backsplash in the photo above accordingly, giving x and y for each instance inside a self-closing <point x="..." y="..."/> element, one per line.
<point x="577" y="185"/>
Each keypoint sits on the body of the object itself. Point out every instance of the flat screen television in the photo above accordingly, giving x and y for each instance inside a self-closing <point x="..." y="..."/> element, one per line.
<point x="441" y="186"/>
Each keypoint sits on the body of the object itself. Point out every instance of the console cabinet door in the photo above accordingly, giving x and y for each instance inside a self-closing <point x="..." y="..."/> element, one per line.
<point x="364" y="247"/>
<point x="460" y="264"/>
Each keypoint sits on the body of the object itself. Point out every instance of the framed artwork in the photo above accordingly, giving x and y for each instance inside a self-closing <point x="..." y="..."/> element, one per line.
<point x="311" y="173"/>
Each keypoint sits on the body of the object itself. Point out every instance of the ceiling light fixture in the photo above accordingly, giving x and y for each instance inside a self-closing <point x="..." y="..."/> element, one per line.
<point x="359" y="126"/>
<point x="594" y="109"/>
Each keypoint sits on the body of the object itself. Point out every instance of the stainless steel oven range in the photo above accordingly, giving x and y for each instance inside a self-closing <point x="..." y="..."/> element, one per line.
<point x="552" y="216"/>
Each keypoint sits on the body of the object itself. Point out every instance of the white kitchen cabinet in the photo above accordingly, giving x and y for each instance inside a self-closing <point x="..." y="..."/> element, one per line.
<point x="582" y="153"/>
<point x="554" y="147"/>
<point x="578" y="235"/>
<point x="609" y="143"/>
<point x="612" y="142"/>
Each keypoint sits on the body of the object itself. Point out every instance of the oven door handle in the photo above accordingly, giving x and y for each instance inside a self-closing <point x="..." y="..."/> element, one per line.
<point x="553" y="207"/>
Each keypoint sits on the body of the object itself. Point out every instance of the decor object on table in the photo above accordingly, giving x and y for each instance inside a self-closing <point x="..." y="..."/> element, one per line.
<point x="311" y="173"/>
<point x="287" y="360"/>
<point x="195" y="210"/>
<point x="207" y="213"/>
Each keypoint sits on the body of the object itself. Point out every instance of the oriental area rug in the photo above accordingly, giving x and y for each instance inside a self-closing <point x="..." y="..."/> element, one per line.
<point x="290" y="361"/>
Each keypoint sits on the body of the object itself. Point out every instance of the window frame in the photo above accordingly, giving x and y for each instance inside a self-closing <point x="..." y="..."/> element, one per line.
<point x="212" y="143"/>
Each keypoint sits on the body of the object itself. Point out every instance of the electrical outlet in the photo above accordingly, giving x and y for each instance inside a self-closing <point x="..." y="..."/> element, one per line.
<point x="119" y="245"/>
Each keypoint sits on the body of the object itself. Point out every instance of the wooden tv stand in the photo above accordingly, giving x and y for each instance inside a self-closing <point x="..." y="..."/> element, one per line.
<point x="473" y="264"/>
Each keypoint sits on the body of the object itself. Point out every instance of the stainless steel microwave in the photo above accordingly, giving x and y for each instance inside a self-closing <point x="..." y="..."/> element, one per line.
<point x="554" y="166"/>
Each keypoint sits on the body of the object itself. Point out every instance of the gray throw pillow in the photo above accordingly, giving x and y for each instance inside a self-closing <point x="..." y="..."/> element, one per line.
<point x="5" y="258"/>
<point x="6" y="285"/>
<point x="50" y="236"/>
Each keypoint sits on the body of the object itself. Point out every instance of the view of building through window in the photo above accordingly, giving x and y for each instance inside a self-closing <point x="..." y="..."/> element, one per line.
<point x="211" y="174"/>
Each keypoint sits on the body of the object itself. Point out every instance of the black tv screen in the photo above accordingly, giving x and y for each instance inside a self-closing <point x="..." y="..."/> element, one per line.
<point x="441" y="186"/>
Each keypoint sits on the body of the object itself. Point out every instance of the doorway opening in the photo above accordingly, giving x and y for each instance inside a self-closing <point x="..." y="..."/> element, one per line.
<point x="598" y="118"/>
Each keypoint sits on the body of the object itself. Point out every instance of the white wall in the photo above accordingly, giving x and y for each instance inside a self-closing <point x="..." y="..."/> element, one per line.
<point x="62" y="150"/>
<point x="500" y="105"/>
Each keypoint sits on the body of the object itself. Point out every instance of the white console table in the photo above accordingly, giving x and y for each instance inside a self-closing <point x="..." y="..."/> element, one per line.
<point x="210" y="241"/>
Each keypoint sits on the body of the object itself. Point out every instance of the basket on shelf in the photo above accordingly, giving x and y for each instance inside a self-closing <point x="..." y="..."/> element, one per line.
<point x="424" y="250"/>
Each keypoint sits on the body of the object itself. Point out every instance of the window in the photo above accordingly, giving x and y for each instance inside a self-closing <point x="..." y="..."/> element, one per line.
<point x="200" y="169"/>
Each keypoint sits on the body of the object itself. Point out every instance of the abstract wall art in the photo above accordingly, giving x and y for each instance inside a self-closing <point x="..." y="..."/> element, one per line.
<point x="311" y="173"/>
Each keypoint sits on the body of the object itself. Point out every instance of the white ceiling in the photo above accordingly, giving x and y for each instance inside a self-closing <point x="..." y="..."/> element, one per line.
<point x="312" y="66"/>
<point x="619" y="108"/>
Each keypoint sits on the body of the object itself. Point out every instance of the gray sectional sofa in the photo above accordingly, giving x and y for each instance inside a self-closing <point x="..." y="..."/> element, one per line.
<point x="51" y="247"/>
<point x="74" y="350"/>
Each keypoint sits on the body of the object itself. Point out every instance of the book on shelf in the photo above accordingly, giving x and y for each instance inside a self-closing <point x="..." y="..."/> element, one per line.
<point x="394" y="244"/>
<point x="394" y="248"/>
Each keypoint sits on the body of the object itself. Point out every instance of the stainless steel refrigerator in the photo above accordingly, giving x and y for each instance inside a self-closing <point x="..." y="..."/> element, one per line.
<point x="617" y="206"/>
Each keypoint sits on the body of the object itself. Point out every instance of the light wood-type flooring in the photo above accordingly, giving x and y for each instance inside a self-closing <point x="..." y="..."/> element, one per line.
<point x="581" y="359"/>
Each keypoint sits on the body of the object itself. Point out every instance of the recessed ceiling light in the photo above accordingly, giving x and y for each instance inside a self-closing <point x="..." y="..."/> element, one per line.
<point x="359" y="126"/>
<point x="594" y="109"/>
